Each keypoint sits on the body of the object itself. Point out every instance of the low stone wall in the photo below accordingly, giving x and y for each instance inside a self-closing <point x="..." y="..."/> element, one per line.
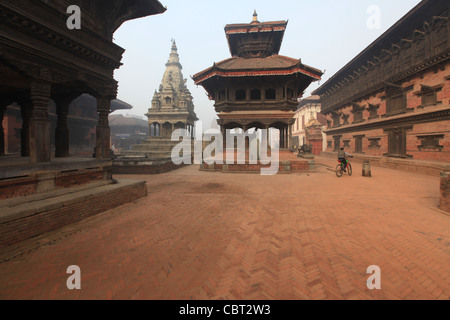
<point x="29" y="183"/>
<point x="144" y="167"/>
<point x="444" y="202"/>
<point x="417" y="166"/>
<point x="27" y="221"/>
<point x="283" y="167"/>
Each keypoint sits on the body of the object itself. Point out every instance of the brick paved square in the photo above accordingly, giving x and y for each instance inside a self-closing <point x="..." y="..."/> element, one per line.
<point x="203" y="235"/>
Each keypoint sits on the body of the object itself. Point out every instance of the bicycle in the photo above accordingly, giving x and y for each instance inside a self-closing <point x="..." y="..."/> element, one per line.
<point x="340" y="168"/>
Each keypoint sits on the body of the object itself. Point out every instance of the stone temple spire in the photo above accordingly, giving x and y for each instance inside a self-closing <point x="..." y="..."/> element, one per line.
<point x="173" y="78"/>
<point x="173" y="94"/>
<point x="174" y="57"/>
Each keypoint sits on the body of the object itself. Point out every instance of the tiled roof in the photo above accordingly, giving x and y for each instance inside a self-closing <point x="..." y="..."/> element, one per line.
<point x="252" y="25"/>
<point x="120" y="120"/>
<point x="272" y="65"/>
<point x="271" y="62"/>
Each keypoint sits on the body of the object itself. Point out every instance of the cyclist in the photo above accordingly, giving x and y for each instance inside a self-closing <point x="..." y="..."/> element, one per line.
<point x="342" y="157"/>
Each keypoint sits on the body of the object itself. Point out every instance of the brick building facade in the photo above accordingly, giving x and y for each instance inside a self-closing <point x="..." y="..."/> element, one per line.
<point x="392" y="100"/>
<point x="308" y="111"/>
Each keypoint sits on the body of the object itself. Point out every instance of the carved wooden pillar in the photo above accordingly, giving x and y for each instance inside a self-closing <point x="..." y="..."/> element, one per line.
<point x="247" y="139"/>
<point x="265" y="137"/>
<point x="39" y="127"/>
<point x="62" y="131"/>
<point x="286" y="136"/>
<point x="291" y="144"/>
<point x="224" y="137"/>
<point x="25" y="109"/>
<point x="103" y="142"/>
<point x="281" y="138"/>
<point x="2" y="134"/>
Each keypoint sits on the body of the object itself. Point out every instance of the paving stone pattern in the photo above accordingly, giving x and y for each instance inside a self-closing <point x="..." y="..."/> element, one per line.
<point x="202" y="235"/>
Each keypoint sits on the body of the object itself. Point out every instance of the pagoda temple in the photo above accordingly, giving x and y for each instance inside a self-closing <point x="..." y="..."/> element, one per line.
<point x="257" y="87"/>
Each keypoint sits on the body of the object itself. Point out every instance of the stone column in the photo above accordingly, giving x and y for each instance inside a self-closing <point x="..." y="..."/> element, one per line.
<point x="62" y="131"/>
<point x="103" y="142"/>
<point x="39" y="129"/>
<point x="151" y="129"/>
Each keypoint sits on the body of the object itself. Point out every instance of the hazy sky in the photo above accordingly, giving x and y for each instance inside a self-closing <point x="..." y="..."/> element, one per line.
<point x="325" y="34"/>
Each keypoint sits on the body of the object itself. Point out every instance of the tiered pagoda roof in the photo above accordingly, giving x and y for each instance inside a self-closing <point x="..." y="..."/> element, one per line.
<point x="255" y="52"/>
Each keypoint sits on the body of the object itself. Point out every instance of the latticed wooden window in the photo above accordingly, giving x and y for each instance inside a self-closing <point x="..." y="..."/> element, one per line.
<point x="373" y="111"/>
<point x="431" y="142"/>
<point x="359" y="144"/>
<point x="419" y="50"/>
<point x="358" y="115"/>
<point x="396" y="101"/>
<point x="428" y="98"/>
<point x="336" y="120"/>
<point x="337" y="142"/>
<point x="290" y="93"/>
<point x="255" y="94"/>
<point x="397" y="142"/>
<point x="221" y="95"/>
<point x="271" y="94"/>
<point x="441" y="36"/>
<point x="374" y="143"/>
<point x="241" y="95"/>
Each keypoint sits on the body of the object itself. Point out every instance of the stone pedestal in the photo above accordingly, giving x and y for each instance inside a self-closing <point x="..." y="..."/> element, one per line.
<point x="314" y="138"/>
<point x="366" y="170"/>
<point x="444" y="202"/>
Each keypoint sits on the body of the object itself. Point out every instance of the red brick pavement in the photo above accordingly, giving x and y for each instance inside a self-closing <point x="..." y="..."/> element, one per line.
<point x="201" y="235"/>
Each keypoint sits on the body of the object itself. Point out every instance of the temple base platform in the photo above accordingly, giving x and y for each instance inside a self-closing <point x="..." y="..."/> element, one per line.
<point x="287" y="163"/>
<point x="38" y="198"/>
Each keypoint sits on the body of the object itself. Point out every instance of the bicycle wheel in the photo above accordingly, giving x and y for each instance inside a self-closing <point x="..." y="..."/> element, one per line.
<point x="339" y="171"/>
<point x="349" y="169"/>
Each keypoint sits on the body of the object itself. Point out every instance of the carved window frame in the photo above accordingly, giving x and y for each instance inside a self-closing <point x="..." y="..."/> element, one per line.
<point x="359" y="143"/>
<point x="358" y="113"/>
<point x="270" y="94"/>
<point x="373" y="111"/>
<point x="393" y="91"/>
<point x="430" y="142"/>
<point x="336" y="122"/>
<point x="401" y="134"/>
<point x="427" y="91"/>
<point x="241" y="95"/>
<point x="255" y="94"/>
<point x="374" y="143"/>
<point x="346" y="143"/>
<point x="337" y="142"/>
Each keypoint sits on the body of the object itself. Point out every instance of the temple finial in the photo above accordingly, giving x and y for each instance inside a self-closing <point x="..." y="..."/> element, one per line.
<point x="174" y="45"/>
<point x="255" y="17"/>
